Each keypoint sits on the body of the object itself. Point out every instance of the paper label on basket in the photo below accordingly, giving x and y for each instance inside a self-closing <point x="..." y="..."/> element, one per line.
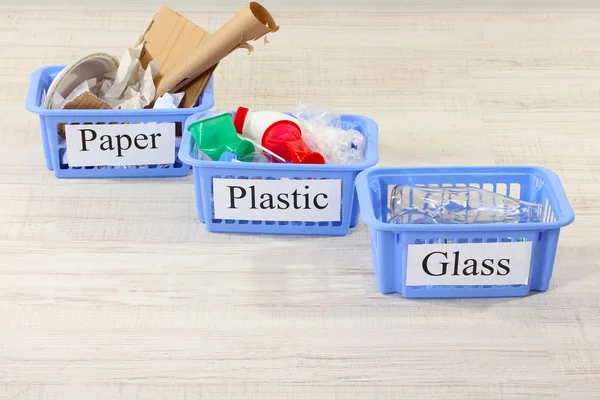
<point x="310" y="200"/>
<point x="120" y="144"/>
<point x="468" y="264"/>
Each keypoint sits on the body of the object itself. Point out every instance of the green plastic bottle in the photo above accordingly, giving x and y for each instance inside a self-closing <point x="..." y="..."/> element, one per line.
<point x="216" y="135"/>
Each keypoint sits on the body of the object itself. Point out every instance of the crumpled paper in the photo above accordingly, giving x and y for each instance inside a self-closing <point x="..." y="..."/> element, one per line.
<point x="169" y="100"/>
<point x="85" y="86"/>
<point x="130" y="87"/>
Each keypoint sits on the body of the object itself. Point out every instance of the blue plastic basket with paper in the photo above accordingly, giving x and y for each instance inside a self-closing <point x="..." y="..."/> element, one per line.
<point x="279" y="198"/>
<point x="127" y="153"/>
<point x="464" y="260"/>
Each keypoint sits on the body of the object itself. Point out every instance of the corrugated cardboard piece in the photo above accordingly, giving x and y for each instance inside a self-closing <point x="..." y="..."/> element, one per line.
<point x="86" y="101"/>
<point x="190" y="62"/>
<point x="187" y="55"/>
<point x="170" y="39"/>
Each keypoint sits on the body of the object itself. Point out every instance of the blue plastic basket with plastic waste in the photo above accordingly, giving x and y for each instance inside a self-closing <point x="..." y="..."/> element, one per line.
<point x="207" y="172"/>
<point x="54" y="143"/>
<point x="464" y="260"/>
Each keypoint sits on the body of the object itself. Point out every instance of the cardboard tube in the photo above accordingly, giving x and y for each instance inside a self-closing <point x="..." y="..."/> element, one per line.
<point x="252" y="23"/>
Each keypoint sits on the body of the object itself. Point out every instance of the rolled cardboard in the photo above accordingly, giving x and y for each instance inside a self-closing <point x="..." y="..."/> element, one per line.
<point x="251" y="23"/>
<point x="169" y="39"/>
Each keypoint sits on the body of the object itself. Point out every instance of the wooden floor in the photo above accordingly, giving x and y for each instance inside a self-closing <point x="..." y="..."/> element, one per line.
<point x="113" y="290"/>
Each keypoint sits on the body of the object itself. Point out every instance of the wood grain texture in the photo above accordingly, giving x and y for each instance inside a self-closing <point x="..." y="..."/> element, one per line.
<point x="113" y="290"/>
<point x="376" y="6"/>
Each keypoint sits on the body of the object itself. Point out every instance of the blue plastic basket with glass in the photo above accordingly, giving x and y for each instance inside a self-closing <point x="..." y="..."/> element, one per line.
<point x="205" y="171"/>
<point x="392" y="243"/>
<point x="55" y="146"/>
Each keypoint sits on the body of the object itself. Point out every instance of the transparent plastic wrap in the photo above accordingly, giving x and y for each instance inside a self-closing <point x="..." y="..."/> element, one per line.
<point x="458" y="205"/>
<point x="213" y="113"/>
<point x="318" y="115"/>
<point x="322" y="131"/>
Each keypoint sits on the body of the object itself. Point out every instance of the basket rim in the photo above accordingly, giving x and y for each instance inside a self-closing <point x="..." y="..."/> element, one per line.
<point x="363" y="183"/>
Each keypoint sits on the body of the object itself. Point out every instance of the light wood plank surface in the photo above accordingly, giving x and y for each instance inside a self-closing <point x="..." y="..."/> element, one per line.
<point x="113" y="290"/>
<point x="375" y="6"/>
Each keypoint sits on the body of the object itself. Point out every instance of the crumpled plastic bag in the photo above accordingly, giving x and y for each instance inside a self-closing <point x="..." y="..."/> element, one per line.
<point x="322" y="131"/>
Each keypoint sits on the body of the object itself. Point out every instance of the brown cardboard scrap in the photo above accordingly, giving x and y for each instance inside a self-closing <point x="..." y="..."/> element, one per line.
<point x="86" y="101"/>
<point x="251" y="23"/>
<point x="171" y="38"/>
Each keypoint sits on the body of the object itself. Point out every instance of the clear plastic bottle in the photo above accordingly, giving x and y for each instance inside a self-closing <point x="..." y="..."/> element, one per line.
<point x="458" y="205"/>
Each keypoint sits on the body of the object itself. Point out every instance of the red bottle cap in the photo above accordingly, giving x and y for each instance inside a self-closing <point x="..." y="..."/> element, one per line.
<point x="282" y="131"/>
<point x="240" y="119"/>
<point x="284" y="138"/>
<point x="312" y="158"/>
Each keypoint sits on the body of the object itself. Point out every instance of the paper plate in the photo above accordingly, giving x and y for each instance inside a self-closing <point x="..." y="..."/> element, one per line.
<point x="91" y="66"/>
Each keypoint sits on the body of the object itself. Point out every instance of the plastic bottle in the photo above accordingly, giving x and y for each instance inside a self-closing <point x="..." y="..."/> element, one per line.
<point x="253" y="124"/>
<point x="217" y="135"/>
<point x="278" y="133"/>
<point x="458" y="205"/>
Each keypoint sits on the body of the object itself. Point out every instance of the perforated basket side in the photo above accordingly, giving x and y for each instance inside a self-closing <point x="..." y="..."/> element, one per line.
<point x="205" y="171"/>
<point x="52" y="123"/>
<point x="390" y="242"/>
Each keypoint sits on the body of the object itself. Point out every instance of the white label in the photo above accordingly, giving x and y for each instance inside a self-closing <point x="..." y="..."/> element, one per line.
<point x="469" y="264"/>
<point x="278" y="200"/>
<point x="121" y="144"/>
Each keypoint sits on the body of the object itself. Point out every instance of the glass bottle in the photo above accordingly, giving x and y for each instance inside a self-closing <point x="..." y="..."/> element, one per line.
<point x="458" y="205"/>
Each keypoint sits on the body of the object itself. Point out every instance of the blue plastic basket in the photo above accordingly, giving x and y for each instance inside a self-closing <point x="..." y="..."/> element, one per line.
<point x="390" y="242"/>
<point x="55" y="146"/>
<point x="205" y="171"/>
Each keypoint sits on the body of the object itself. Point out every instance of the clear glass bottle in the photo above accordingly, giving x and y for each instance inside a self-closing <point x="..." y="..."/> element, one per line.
<point x="458" y="205"/>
